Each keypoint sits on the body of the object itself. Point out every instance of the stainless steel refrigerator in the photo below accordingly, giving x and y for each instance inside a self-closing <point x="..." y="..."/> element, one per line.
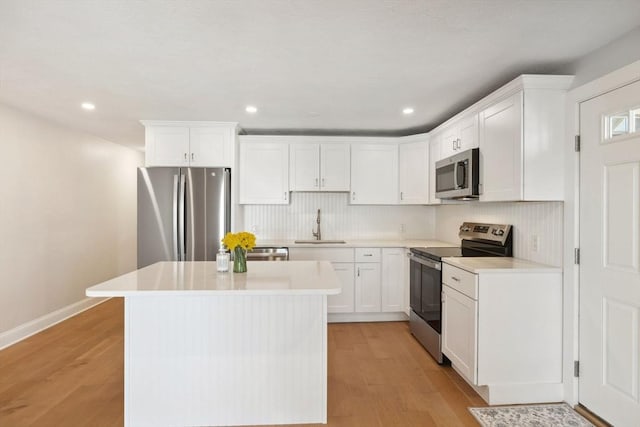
<point x="182" y="213"/>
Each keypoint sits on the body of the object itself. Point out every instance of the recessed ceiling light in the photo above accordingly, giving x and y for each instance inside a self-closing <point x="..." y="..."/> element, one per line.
<point x="88" y="106"/>
<point x="251" y="109"/>
<point x="407" y="110"/>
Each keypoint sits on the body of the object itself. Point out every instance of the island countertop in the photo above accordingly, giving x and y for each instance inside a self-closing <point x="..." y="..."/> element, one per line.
<point x="201" y="278"/>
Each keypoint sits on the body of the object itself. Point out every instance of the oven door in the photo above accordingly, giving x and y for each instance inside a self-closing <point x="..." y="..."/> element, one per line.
<point x="425" y="282"/>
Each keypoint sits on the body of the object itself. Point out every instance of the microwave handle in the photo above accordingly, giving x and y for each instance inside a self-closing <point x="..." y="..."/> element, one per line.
<point x="464" y="175"/>
<point x="455" y="176"/>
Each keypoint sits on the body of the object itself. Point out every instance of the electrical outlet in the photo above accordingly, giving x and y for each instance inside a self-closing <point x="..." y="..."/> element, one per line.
<point x="402" y="228"/>
<point x="254" y="229"/>
<point x="535" y="243"/>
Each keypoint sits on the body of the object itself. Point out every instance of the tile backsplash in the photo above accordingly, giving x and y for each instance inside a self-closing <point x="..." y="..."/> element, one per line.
<point x="537" y="226"/>
<point x="340" y="220"/>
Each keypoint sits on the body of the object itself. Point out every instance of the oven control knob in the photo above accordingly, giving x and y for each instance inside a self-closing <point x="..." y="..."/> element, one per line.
<point x="497" y="232"/>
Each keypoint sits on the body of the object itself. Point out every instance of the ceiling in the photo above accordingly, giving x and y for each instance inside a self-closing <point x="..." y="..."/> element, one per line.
<point x="334" y="66"/>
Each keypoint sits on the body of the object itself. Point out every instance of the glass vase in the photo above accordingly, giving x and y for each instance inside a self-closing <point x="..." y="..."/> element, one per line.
<point x="239" y="260"/>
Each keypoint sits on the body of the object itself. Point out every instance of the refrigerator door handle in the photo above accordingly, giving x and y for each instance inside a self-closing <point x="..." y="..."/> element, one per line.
<point x="181" y="213"/>
<point x="175" y="217"/>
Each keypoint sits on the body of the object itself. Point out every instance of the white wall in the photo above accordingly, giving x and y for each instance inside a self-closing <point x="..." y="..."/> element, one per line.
<point x="340" y="220"/>
<point x="68" y="215"/>
<point x="541" y="219"/>
<point x="620" y="52"/>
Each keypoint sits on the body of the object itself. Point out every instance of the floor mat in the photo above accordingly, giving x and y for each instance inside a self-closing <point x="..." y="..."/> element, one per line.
<point x="548" y="415"/>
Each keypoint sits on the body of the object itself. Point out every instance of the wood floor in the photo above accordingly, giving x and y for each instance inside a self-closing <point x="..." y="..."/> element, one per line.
<point x="72" y="375"/>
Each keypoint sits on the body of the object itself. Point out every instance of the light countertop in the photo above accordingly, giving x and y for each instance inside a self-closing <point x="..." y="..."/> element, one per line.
<point x="373" y="243"/>
<point x="499" y="265"/>
<point x="201" y="278"/>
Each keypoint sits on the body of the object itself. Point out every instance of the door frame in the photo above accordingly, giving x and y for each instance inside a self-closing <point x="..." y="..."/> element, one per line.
<point x="571" y="281"/>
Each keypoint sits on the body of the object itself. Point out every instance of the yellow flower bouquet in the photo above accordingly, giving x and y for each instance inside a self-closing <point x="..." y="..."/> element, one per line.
<point x="239" y="243"/>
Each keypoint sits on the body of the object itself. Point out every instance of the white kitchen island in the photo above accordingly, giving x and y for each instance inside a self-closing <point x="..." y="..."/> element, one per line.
<point x="204" y="348"/>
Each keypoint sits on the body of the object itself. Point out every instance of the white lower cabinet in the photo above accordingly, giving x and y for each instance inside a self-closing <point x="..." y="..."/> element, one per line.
<point x="502" y="331"/>
<point x="374" y="285"/>
<point x="459" y="320"/>
<point x="368" y="287"/>
<point x="393" y="279"/>
<point x="343" y="302"/>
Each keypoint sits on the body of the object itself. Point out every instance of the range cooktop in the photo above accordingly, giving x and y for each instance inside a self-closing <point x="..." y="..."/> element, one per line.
<point x="437" y="253"/>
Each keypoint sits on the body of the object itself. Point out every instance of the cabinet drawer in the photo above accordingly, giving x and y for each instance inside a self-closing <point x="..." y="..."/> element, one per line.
<point x="321" y="254"/>
<point x="367" y="254"/>
<point x="460" y="280"/>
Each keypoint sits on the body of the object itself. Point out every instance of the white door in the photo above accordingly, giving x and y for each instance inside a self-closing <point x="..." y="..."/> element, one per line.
<point x="374" y="174"/>
<point x="414" y="173"/>
<point x="167" y="146"/>
<point x="304" y="167"/>
<point x="392" y="280"/>
<point x="210" y="147"/>
<point x="468" y="133"/>
<point x="610" y="256"/>
<point x="343" y="302"/>
<point x="335" y="167"/>
<point x="460" y="331"/>
<point x="367" y="287"/>
<point x="265" y="173"/>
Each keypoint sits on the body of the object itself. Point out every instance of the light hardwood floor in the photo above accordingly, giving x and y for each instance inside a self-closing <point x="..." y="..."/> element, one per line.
<point x="72" y="375"/>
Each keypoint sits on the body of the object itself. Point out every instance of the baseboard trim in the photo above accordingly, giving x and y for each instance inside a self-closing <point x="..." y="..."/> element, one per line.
<point x="366" y="317"/>
<point x="32" y="327"/>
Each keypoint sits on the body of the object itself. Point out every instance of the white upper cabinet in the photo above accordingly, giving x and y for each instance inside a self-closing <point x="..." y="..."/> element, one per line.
<point x="264" y="172"/>
<point x="304" y="167"/>
<point x="413" y="159"/>
<point x="319" y="167"/>
<point x="435" y="153"/>
<point x="460" y="135"/>
<point x="374" y="174"/>
<point x="521" y="141"/>
<point x="205" y="144"/>
<point x="335" y="167"/>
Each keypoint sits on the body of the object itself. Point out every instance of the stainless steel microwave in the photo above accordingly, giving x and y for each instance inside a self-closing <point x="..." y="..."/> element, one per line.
<point x="458" y="176"/>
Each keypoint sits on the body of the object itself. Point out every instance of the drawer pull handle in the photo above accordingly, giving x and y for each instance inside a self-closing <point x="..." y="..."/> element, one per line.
<point x="455" y="278"/>
<point x="367" y="254"/>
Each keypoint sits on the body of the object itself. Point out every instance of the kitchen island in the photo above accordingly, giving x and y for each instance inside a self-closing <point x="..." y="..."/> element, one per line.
<point x="204" y="348"/>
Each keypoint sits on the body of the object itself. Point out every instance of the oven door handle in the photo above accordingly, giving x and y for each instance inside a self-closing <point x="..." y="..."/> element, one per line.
<point x="432" y="264"/>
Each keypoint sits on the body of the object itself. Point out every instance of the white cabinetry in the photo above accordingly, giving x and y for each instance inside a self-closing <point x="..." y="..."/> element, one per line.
<point x="342" y="261"/>
<point x="460" y="135"/>
<point x="198" y="144"/>
<point x="435" y="152"/>
<point x="319" y="167"/>
<point x="264" y="172"/>
<point x="521" y="141"/>
<point x="374" y="174"/>
<point x="368" y="281"/>
<point x="393" y="280"/>
<point x="413" y="159"/>
<point x="502" y="332"/>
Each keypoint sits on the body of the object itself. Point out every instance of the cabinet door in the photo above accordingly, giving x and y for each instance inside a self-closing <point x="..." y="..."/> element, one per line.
<point x="343" y="302"/>
<point x="448" y="141"/>
<point x="264" y="173"/>
<point x="210" y="147"/>
<point x="413" y="163"/>
<point x="304" y="167"/>
<point x="167" y="146"/>
<point x="501" y="150"/>
<point x="335" y="167"/>
<point x="393" y="283"/>
<point x="367" y="287"/>
<point x="459" y="331"/>
<point x="434" y="156"/>
<point x="374" y="174"/>
<point x="468" y="133"/>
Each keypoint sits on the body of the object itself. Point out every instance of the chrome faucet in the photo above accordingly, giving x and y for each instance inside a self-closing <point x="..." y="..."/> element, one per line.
<point x="317" y="234"/>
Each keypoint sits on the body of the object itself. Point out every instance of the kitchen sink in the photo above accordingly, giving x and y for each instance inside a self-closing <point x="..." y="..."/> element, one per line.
<point x="319" y="242"/>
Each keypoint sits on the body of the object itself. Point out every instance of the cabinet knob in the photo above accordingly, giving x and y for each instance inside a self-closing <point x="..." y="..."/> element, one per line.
<point x="185" y="156"/>
<point x="401" y="196"/>
<point x="192" y="156"/>
<point x="316" y="182"/>
<point x="322" y="182"/>
<point x="285" y="195"/>
<point x="353" y="195"/>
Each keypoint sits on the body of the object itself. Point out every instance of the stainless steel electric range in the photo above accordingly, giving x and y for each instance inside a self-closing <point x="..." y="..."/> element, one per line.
<point x="425" y="277"/>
